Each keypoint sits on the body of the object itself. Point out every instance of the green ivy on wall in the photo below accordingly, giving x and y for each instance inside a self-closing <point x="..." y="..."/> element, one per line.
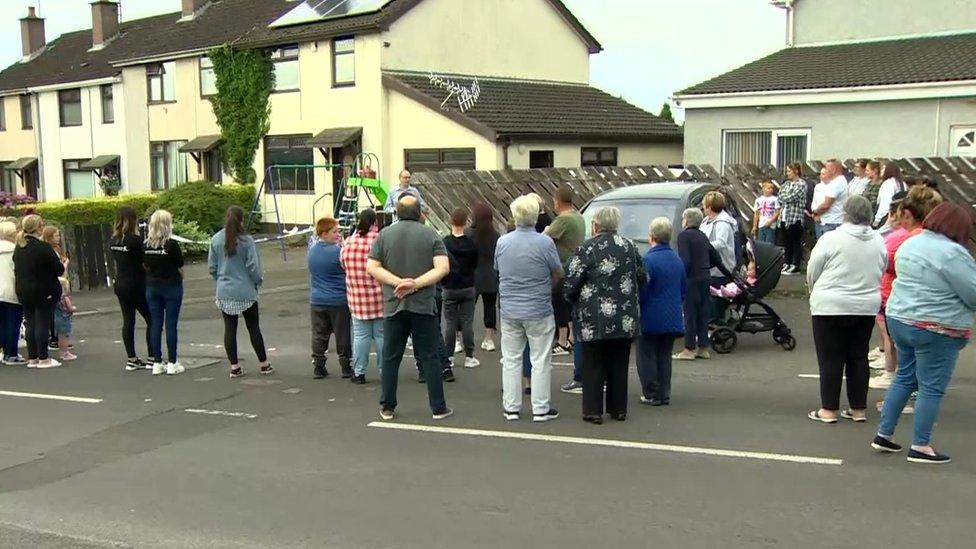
<point x="245" y="79"/>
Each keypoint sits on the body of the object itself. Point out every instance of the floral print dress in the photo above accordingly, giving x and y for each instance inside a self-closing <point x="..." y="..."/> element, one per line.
<point x="603" y="282"/>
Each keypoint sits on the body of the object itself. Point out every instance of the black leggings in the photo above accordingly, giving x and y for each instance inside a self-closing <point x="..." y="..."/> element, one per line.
<point x="488" y="301"/>
<point x="253" y="329"/>
<point x="37" y="323"/>
<point x="794" y="243"/>
<point x="842" y="348"/>
<point x="133" y="301"/>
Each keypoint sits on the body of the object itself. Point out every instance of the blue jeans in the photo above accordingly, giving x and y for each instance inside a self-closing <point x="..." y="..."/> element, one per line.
<point x="11" y="317"/>
<point x="821" y="229"/>
<point x="767" y="234"/>
<point x="364" y="333"/>
<point x="926" y="361"/>
<point x="165" y="301"/>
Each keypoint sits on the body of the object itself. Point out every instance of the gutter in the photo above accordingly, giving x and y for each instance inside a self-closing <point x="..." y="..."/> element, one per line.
<point x="71" y="85"/>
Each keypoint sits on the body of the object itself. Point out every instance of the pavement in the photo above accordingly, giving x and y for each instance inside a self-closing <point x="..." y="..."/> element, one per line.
<point x="93" y="456"/>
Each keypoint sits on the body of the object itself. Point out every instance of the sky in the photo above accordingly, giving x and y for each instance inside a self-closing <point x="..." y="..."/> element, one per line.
<point x="652" y="48"/>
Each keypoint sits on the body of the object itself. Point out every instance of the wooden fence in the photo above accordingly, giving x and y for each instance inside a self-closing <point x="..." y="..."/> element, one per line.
<point x="90" y="267"/>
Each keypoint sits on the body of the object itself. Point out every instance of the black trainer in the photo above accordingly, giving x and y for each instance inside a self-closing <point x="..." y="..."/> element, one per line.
<point x="881" y="444"/>
<point x="346" y="372"/>
<point x="448" y="375"/>
<point x="548" y="416"/>
<point x="443" y="414"/>
<point x="267" y="369"/>
<point x="359" y="380"/>
<point x="915" y="456"/>
<point x="320" y="372"/>
<point x="421" y="376"/>
<point x="134" y="364"/>
<point x="386" y="413"/>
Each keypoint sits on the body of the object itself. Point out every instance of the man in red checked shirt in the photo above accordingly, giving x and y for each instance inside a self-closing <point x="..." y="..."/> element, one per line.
<point x="365" y="296"/>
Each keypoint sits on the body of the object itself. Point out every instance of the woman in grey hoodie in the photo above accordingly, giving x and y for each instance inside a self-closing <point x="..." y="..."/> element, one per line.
<point x="236" y="266"/>
<point x="844" y="275"/>
<point x="11" y="313"/>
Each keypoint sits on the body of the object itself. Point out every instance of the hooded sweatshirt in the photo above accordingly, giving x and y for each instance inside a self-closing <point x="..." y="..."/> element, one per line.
<point x="721" y="233"/>
<point x="8" y="292"/>
<point x="844" y="272"/>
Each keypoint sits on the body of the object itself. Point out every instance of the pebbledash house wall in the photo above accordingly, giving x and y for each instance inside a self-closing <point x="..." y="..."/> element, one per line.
<point x="897" y="129"/>
<point x="820" y="21"/>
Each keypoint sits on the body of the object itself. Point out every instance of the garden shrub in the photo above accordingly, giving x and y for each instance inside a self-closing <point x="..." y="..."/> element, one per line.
<point x="191" y="231"/>
<point x="89" y="211"/>
<point x="205" y="203"/>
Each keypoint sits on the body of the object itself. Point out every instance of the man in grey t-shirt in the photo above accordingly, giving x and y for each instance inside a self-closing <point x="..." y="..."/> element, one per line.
<point x="409" y="259"/>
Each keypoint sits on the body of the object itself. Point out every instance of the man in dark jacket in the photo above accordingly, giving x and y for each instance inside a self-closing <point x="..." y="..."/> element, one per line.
<point x="699" y="257"/>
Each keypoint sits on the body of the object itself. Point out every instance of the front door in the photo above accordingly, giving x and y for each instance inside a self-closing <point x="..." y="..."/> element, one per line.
<point x="30" y="182"/>
<point x="212" y="169"/>
<point x="336" y="156"/>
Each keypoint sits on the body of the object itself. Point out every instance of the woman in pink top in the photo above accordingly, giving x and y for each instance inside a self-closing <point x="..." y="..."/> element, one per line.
<point x="908" y="211"/>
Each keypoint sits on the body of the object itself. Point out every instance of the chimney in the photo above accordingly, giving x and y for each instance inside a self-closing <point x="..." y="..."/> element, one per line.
<point x="32" y="33"/>
<point x="105" y="22"/>
<point x="191" y="7"/>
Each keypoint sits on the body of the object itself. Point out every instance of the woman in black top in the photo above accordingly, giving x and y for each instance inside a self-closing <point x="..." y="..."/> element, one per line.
<point x="163" y="260"/>
<point x="485" y="237"/>
<point x="459" y="294"/>
<point x="130" y="281"/>
<point x="36" y="272"/>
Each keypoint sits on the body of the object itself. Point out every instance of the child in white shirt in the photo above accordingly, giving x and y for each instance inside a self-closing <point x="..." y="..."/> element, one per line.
<point x="767" y="214"/>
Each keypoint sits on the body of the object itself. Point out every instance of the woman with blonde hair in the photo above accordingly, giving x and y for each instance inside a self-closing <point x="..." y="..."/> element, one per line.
<point x="37" y="268"/>
<point x="163" y="260"/>
<point x="52" y="235"/>
<point x="11" y="312"/>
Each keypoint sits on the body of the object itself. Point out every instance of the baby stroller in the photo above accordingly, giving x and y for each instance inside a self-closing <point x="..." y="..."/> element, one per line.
<point x="741" y="318"/>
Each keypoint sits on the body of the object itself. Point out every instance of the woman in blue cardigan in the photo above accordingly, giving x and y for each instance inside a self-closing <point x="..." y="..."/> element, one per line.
<point x="661" y="317"/>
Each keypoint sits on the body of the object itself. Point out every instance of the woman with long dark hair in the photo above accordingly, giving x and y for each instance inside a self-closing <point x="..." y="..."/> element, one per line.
<point x="235" y="265"/>
<point x="892" y="184"/>
<point x="130" y="281"/>
<point x="793" y="200"/>
<point x="485" y="237"/>
<point x="36" y="271"/>
<point x="364" y="295"/>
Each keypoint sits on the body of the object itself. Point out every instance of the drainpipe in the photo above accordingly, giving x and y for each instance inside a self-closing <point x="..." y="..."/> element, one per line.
<point x="505" y="145"/>
<point x="38" y="141"/>
<point x="938" y="129"/>
<point x="788" y="5"/>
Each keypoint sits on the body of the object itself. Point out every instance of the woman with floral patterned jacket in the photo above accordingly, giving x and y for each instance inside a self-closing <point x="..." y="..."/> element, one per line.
<point x="603" y="282"/>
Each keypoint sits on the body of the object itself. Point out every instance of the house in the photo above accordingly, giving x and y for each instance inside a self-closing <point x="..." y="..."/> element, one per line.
<point x="873" y="78"/>
<point x="420" y="84"/>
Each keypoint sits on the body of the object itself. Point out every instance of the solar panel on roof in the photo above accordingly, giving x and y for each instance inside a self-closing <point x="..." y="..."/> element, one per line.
<point x="311" y="11"/>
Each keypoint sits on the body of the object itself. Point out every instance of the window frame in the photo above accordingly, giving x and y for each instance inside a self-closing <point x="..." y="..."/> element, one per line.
<point x="442" y="164"/>
<point x="599" y="154"/>
<point x="161" y="76"/>
<point x="201" y="69"/>
<point x="110" y="97"/>
<point x="26" y="112"/>
<point x="774" y="135"/>
<point x="549" y="154"/>
<point x="62" y="103"/>
<point x="65" y="170"/>
<point x="336" y="54"/>
<point x="3" y="114"/>
<point x="286" y="58"/>
<point x="167" y="183"/>
<point x="310" y="177"/>
<point x="7" y="176"/>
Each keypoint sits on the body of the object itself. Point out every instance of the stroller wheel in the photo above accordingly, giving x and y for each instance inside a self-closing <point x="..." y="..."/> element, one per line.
<point x="788" y="343"/>
<point x="724" y="340"/>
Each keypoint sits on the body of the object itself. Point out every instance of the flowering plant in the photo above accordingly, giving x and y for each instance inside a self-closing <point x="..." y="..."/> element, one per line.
<point x="110" y="184"/>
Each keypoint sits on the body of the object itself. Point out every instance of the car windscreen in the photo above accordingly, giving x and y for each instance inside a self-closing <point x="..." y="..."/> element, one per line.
<point x="635" y="215"/>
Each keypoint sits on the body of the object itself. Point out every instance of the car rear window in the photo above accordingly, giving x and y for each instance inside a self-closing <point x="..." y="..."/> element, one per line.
<point x="635" y="215"/>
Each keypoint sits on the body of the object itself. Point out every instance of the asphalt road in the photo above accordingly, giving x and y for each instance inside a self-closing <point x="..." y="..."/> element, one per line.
<point x="294" y="462"/>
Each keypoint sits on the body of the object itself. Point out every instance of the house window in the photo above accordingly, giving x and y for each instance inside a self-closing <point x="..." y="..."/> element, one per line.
<point x="108" y="106"/>
<point x="290" y="158"/>
<point x="598" y="156"/>
<point x="78" y="182"/>
<point x="26" y="113"/>
<point x="167" y="164"/>
<point x="436" y="160"/>
<point x="764" y="147"/>
<point x="541" y="159"/>
<point x="287" y="76"/>
<point x="8" y="182"/>
<point x="161" y="81"/>
<point x="344" y="62"/>
<point x="963" y="141"/>
<point x="3" y="115"/>
<point x="69" y="107"/>
<point x="208" y="79"/>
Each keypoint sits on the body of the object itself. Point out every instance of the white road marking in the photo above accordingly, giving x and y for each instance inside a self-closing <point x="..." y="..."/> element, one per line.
<point x="717" y="452"/>
<point x="815" y="376"/>
<point x="220" y="413"/>
<point x="84" y="400"/>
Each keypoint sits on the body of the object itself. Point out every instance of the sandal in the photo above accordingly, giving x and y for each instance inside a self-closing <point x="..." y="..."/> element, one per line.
<point x="848" y="414"/>
<point x="815" y="416"/>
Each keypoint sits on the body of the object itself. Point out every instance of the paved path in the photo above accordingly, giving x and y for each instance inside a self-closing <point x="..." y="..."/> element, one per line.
<point x="288" y="461"/>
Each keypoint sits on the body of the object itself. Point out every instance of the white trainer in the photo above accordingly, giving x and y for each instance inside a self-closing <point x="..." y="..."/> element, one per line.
<point x="458" y="348"/>
<point x="174" y="368"/>
<point x="875" y="354"/>
<point x="881" y="382"/>
<point x="488" y="345"/>
<point x="49" y="363"/>
<point x="877" y="364"/>
<point x="471" y="362"/>
<point x="158" y="368"/>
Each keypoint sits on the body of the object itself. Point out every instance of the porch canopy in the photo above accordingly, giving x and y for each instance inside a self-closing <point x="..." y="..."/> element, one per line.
<point x="22" y="163"/>
<point x="101" y="162"/>
<point x="202" y="144"/>
<point x="335" y="137"/>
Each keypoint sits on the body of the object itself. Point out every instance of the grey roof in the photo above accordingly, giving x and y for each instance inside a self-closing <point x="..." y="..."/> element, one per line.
<point x="539" y="109"/>
<point x="889" y="62"/>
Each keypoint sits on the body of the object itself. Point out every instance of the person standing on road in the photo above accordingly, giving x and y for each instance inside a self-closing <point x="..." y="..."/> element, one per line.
<point x="829" y="196"/>
<point x="860" y="180"/>
<point x="844" y="275"/>
<point x="699" y="258"/>
<point x="52" y="235"/>
<point x="930" y="315"/>
<point x="661" y="321"/>
<point x="130" y="282"/>
<point x="793" y="200"/>
<point x="364" y="295"/>
<point x="163" y="260"/>
<point x="767" y="212"/>
<point x="528" y="269"/>
<point x="36" y="271"/>
<point x="721" y="229"/>
<point x="235" y="264"/>
<point x="459" y="293"/>
<point x="604" y="278"/>
<point x="11" y="312"/>
<point x="567" y="231"/>
<point x="485" y="238"/>
<point x="409" y="259"/>
<point x="330" y="306"/>
<point x="873" y="187"/>
<point x="404" y="188"/>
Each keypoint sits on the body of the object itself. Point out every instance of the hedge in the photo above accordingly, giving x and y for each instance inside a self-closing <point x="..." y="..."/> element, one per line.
<point x="90" y="211"/>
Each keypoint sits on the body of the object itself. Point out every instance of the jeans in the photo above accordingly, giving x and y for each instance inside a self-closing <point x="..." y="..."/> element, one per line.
<point x="821" y="229"/>
<point x="326" y="322"/>
<point x="443" y="355"/>
<point x="132" y="301"/>
<point x="252" y="320"/>
<point x="11" y="317"/>
<point x="926" y="361"/>
<point x="539" y="335"/>
<point x="654" y="366"/>
<point x="364" y="333"/>
<point x="38" y="318"/>
<point x="767" y="234"/>
<point x="165" y="301"/>
<point x="842" y="347"/>
<point x="696" y="307"/>
<point x="605" y="364"/>
<point x="577" y="355"/>
<point x="423" y="329"/>
<point x="458" y="313"/>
